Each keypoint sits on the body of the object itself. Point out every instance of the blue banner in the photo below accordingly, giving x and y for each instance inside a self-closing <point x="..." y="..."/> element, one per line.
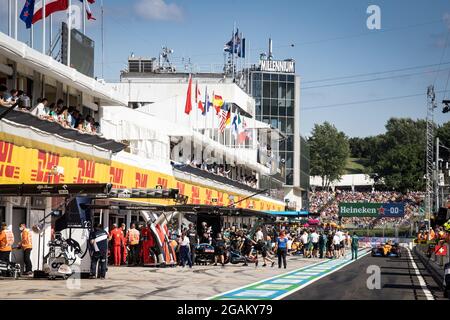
<point x="392" y="210"/>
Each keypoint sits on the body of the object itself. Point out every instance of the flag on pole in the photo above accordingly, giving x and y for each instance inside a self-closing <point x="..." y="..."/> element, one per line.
<point x="217" y="103"/>
<point x="207" y="103"/>
<point x="27" y="13"/>
<point x="188" y="106"/>
<point x="243" y="135"/>
<point x="234" y="125"/>
<point x="89" y="14"/>
<point x="224" y="116"/>
<point x="198" y="99"/>
<point x="51" y="6"/>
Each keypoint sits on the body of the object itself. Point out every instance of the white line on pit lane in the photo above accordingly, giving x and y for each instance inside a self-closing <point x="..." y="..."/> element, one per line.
<point x="422" y="282"/>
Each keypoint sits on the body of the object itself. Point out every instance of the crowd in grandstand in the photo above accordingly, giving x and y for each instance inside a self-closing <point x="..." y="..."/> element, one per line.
<point x="68" y="117"/>
<point x="326" y="203"/>
<point x="223" y="170"/>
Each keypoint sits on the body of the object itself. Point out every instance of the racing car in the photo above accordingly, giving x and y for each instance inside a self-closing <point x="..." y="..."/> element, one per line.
<point x="387" y="249"/>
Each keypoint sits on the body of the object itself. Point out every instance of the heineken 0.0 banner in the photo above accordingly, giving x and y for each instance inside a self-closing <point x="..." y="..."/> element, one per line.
<point x="358" y="209"/>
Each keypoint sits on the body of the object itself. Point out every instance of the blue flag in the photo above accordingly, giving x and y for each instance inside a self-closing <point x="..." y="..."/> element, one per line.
<point x="27" y="13"/>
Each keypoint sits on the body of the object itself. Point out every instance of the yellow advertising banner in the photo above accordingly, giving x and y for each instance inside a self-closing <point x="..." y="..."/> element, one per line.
<point x="20" y="164"/>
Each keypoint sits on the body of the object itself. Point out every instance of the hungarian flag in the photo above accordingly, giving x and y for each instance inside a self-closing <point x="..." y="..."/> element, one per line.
<point x="188" y="106"/>
<point x="51" y="6"/>
<point x="198" y="99"/>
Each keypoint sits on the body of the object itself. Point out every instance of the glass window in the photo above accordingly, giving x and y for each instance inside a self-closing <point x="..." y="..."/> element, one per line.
<point x="266" y="120"/>
<point x="282" y="124"/>
<point x="290" y="125"/>
<point x="281" y="103"/>
<point x="274" y="90"/>
<point x="289" y="177"/>
<point x="274" y="122"/>
<point x="256" y="76"/>
<point x="266" y="106"/>
<point x="256" y="88"/>
<point x="274" y="107"/>
<point x="266" y="89"/>
<point x="266" y="76"/>
<point x="282" y="77"/>
<point x="289" y="159"/>
<point x="290" y="108"/>
<point x="282" y="111"/>
<point x="290" y="143"/>
<point x="290" y="78"/>
<point x="289" y="91"/>
<point x="274" y="77"/>
<point x="281" y="90"/>
<point x="259" y="117"/>
<point x="258" y="108"/>
<point x="282" y="145"/>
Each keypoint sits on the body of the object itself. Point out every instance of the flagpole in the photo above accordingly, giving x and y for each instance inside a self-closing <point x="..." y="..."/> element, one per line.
<point x="32" y="36"/>
<point x="16" y="13"/>
<point x="69" y="31"/>
<point x="9" y="18"/>
<point x="51" y="35"/>
<point x="43" y="26"/>
<point x="103" y="40"/>
<point x="232" y="49"/>
<point x="84" y="16"/>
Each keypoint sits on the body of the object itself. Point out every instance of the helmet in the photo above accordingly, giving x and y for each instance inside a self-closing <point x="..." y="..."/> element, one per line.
<point x="447" y="226"/>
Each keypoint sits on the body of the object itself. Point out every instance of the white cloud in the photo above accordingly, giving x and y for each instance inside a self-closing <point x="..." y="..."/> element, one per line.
<point x="158" y="10"/>
<point x="446" y="19"/>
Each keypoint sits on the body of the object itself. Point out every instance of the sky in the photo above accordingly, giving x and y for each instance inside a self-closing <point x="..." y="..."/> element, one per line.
<point x="375" y="74"/>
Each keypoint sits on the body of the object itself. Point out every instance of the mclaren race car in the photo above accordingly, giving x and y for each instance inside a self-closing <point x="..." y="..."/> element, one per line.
<point x="387" y="249"/>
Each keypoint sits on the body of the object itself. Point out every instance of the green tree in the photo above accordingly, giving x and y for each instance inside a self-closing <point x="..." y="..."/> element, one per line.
<point x="398" y="157"/>
<point x="329" y="151"/>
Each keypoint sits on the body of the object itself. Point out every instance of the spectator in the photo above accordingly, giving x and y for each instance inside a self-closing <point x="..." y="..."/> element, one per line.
<point x="40" y="109"/>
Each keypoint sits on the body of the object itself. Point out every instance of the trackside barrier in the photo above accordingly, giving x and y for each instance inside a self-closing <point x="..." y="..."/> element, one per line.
<point x="435" y="264"/>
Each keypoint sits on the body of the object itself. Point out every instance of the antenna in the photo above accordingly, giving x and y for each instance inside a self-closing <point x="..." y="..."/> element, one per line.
<point x="164" y="59"/>
<point x="270" y="49"/>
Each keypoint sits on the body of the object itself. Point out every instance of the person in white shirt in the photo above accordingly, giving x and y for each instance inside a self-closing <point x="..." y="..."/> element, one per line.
<point x="315" y="243"/>
<point x="336" y="245"/>
<point x="185" y="255"/>
<point x="304" y="240"/>
<point x="259" y="236"/>
<point x="40" y="110"/>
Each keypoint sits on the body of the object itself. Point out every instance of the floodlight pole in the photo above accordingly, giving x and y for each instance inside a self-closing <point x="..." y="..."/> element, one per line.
<point x="431" y="105"/>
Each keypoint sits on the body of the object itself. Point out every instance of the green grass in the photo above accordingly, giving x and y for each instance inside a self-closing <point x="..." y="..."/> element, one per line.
<point x="355" y="166"/>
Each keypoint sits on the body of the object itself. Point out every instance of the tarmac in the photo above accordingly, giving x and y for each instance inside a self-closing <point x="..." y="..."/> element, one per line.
<point x="141" y="283"/>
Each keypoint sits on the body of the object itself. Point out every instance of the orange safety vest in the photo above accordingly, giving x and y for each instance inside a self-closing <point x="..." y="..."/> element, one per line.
<point x="133" y="236"/>
<point x="6" y="240"/>
<point x="26" y="239"/>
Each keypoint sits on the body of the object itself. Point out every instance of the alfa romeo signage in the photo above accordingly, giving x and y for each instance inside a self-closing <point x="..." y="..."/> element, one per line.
<point x="375" y="210"/>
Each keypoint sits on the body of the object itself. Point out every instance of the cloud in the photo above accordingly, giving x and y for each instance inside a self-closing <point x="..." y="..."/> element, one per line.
<point x="446" y="19"/>
<point x="158" y="10"/>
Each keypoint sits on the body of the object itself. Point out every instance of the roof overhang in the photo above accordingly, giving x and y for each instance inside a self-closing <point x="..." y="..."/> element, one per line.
<point x="23" y="54"/>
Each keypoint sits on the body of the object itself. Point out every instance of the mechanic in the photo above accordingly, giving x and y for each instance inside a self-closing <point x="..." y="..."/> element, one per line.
<point x="133" y="241"/>
<point x="116" y="236"/>
<point x="99" y="251"/>
<point x="322" y="244"/>
<point x="6" y="242"/>
<point x="26" y="245"/>
<point x="124" y="244"/>
<point x="354" y="246"/>
<point x="219" y="250"/>
<point x="193" y="240"/>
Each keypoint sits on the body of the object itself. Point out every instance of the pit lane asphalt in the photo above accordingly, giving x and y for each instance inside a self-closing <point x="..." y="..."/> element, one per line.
<point x="398" y="282"/>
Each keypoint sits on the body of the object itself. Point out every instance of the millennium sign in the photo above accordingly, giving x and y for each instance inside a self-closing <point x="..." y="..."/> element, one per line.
<point x="375" y="210"/>
<point x="284" y="66"/>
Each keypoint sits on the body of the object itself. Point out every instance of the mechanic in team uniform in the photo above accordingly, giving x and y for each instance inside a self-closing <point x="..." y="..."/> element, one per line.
<point x="6" y="242"/>
<point x="354" y="245"/>
<point x="193" y="240"/>
<point x="99" y="250"/>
